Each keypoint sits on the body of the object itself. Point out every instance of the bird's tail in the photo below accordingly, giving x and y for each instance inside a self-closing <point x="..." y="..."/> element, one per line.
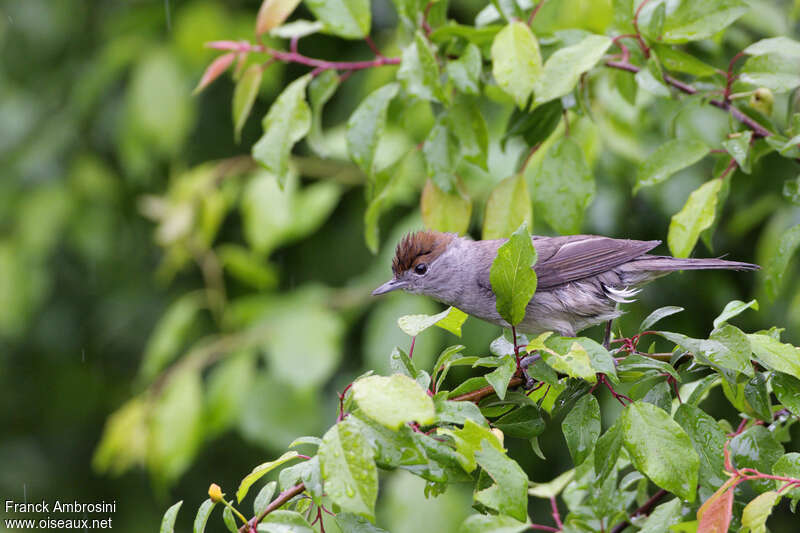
<point x="665" y="263"/>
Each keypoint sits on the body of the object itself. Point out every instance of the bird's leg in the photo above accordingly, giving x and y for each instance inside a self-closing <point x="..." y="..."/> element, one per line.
<point x="524" y="363"/>
<point x="607" y="336"/>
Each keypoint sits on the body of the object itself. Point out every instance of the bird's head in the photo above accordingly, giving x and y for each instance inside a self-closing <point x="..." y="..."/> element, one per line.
<point x="420" y="264"/>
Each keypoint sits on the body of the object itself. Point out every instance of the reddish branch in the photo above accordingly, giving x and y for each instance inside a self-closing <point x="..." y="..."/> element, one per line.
<point x="479" y="394"/>
<point x="282" y="498"/>
<point x="296" y="57"/>
<point x="643" y="510"/>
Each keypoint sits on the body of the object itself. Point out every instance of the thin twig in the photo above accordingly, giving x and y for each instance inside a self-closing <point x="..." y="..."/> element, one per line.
<point x="478" y="394"/>
<point x="643" y="510"/>
<point x="282" y="498"/>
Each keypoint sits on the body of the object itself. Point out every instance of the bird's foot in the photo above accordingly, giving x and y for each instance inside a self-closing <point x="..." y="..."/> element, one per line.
<point x="524" y="363"/>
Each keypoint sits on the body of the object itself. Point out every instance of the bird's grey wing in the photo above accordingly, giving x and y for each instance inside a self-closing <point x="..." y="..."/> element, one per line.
<point x="565" y="259"/>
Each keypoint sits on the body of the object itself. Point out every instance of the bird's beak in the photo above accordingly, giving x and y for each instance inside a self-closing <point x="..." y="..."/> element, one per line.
<point x="389" y="286"/>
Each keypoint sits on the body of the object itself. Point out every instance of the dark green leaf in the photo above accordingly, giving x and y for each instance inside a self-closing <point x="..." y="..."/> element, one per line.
<point x="509" y="494"/>
<point x="756" y="448"/>
<point x="563" y="186"/>
<point x="679" y="61"/>
<point x="788" y="466"/>
<point x="787" y="389"/>
<point x="708" y="441"/>
<point x="581" y="427"/>
<point x="635" y="366"/>
<point x="757" y="397"/>
<point x="661" y="449"/>
<point x="500" y="377"/>
<point x="534" y="126"/>
<point x="512" y="277"/>
<point x="466" y="121"/>
<point x="606" y="451"/>
<point x="441" y="155"/>
<point x="522" y="423"/>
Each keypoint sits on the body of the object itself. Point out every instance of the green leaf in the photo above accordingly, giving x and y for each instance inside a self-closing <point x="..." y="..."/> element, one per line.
<point x="243" y="97"/>
<point x="288" y="121"/>
<point x="563" y="186"/>
<point x="320" y="90"/>
<point x="393" y="401"/>
<point x="468" y="440"/>
<point x="508" y="206"/>
<point x="201" y="518"/>
<point x="500" y="377"/>
<point x="445" y="211"/>
<point x="264" y="496"/>
<point x="775" y="354"/>
<point x="260" y="471"/>
<point x="679" y="61"/>
<point x="661" y="449"/>
<point x="757" y="397"/>
<point x="732" y="309"/>
<point x="176" y="426"/>
<point x="465" y="120"/>
<point x="697" y="215"/>
<point x="451" y="412"/>
<point x="756" y="448"/>
<point x="693" y="20"/>
<point x="606" y="451"/>
<point x="791" y="190"/>
<point x="774" y="71"/>
<point x="524" y="422"/>
<point x="574" y="363"/>
<point x="228" y="391"/>
<point x="348" y="468"/>
<point x="581" y="428"/>
<point x="441" y="155"/>
<point x="739" y="148"/>
<point x="553" y="488"/>
<point x="419" y="71"/>
<point x="509" y="494"/>
<point x="564" y="68"/>
<point x="516" y="61"/>
<point x="788" y="466"/>
<point x="636" y="366"/>
<point x="170" y="334"/>
<point x="662" y="517"/>
<point x="512" y="277"/>
<point x="350" y="19"/>
<point x="229" y="520"/>
<point x="668" y="159"/>
<point x="366" y="126"/>
<point x="168" y="522"/>
<point x="787" y="389"/>
<point x="774" y="45"/>
<point x="773" y="275"/>
<point x="708" y="440"/>
<point x="534" y="126"/>
<point x="715" y="350"/>
<point x="283" y="521"/>
<point x="450" y="319"/>
<point x="481" y="523"/>
<point x="599" y="358"/>
<point x="465" y="72"/>
<point x="651" y="79"/>
<point x="658" y="314"/>
<point x="755" y="513"/>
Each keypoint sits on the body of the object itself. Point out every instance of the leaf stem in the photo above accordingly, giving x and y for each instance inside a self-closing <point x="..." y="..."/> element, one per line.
<point x="282" y="498"/>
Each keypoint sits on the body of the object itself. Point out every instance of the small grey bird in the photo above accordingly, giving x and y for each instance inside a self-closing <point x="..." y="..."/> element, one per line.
<point x="581" y="278"/>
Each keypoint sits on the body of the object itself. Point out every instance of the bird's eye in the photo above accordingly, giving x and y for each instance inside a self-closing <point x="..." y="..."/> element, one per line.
<point x="421" y="269"/>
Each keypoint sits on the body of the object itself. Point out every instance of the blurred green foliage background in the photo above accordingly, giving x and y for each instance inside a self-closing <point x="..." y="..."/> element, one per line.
<point x="100" y="137"/>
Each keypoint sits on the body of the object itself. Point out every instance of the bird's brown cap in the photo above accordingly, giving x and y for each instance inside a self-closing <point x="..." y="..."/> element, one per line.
<point x="419" y="247"/>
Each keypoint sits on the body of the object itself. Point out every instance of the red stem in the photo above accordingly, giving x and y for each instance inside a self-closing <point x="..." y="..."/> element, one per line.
<point x="556" y="515"/>
<point x="282" y="498"/>
<point x="411" y="348"/>
<point x="295" y="57"/>
<point x="729" y="77"/>
<point x="535" y="11"/>
<point x="642" y="44"/>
